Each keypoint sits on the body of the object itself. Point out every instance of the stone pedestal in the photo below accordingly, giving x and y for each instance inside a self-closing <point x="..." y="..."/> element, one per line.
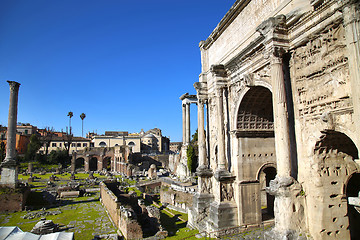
<point x="9" y="174"/>
<point x="199" y="214"/>
<point x="223" y="215"/>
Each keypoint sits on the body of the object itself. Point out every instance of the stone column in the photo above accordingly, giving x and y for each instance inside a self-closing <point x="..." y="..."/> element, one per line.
<point x="184" y="123"/>
<point x="201" y="134"/>
<point x="73" y="162"/>
<point x="282" y="185"/>
<point x="221" y="158"/>
<point x="351" y="15"/>
<point x="187" y="124"/>
<point x="281" y="124"/>
<point x="9" y="172"/>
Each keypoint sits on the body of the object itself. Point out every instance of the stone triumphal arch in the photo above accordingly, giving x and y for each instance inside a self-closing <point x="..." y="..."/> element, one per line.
<point x="282" y="99"/>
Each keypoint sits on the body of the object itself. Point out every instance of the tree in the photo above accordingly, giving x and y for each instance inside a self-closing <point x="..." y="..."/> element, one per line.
<point x="192" y="159"/>
<point x="192" y="153"/>
<point x="46" y="139"/>
<point x="32" y="148"/>
<point x="82" y="116"/>
<point x="59" y="157"/>
<point x="70" y="115"/>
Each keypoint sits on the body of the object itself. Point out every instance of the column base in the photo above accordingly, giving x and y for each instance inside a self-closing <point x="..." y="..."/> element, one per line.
<point x="288" y="203"/>
<point x="223" y="215"/>
<point x="9" y="175"/>
<point x="199" y="214"/>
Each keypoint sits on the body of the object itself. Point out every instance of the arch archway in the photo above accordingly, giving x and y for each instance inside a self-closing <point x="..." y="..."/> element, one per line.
<point x="79" y="163"/>
<point x="353" y="190"/>
<point x="336" y="178"/>
<point x="102" y="144"/>
<point x="93" y="164"/>
<point x="254" y="129"/>
<point x="266" y="174"/>
<point x="107" y="163"/>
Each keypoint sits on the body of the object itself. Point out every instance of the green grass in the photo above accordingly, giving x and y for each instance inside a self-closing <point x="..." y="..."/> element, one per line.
<point x="80" y="209"/>
<point x="62" y="177"/>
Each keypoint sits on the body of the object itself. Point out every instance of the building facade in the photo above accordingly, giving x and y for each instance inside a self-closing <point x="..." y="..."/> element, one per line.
<point x="281" y="92"/>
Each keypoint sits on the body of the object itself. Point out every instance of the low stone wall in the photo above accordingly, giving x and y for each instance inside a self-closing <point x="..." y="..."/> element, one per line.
<point x="123" y="218"/>
<point x="109" y="200"/>
<point x="13" y="200"/>
<point x="180" y="199"/>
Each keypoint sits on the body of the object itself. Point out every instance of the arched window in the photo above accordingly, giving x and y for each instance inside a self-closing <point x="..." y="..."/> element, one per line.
<point x="131" y="144"/>
<point x="102" y="144"/>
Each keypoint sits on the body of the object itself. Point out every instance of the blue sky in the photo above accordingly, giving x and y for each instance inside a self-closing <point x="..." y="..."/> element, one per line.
<point x="123" y="63"/>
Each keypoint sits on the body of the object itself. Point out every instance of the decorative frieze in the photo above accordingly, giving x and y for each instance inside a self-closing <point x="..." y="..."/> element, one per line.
<point x="320" y="71"/>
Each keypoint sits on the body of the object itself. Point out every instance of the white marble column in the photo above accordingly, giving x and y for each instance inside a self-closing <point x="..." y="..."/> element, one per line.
<point x="351" y="15"/>
<point x="281" y="124"/>
<point x="187" y="124"/>
<point x="221" y="130"/>
<point x="184" y="123"/>
<point x="280" y="186"/>
<point x="201" y="134"/>
<point x="9" y="173"/>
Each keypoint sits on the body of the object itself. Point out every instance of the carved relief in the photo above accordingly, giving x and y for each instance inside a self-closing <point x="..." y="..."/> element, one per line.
<point x="206" y="185"/>
<point x="263" y="74"/>
<point x="227" y="192"/>
<point x="320" y="69"/>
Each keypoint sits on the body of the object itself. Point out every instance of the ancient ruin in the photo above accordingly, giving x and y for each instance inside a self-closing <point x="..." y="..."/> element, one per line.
<point x="281" y="92"/>
<point x="12" y="195"/>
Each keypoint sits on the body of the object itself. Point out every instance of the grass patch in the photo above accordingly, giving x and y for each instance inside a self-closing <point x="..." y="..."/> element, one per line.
<point x="84" y="216"/>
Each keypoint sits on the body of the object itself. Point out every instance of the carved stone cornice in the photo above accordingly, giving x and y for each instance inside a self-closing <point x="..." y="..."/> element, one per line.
<point x="234" y="11"/>
<point x="218" y="71"/>
<point x="201" y="89"/>
<point x="272" y="26"/>
<point x="188" y="96"/>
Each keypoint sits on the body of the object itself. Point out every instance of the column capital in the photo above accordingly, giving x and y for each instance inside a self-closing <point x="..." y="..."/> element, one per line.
<point x="14" y="86"/>
<point x="276" y="54"/>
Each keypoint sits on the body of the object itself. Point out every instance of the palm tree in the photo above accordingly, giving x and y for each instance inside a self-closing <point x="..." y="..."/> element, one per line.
<point x="82" y="116"/>
<point x="70" y="115"/>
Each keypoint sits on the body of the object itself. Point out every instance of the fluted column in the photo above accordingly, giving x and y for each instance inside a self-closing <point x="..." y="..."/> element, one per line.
<point x="201" y="134"/>
<point x="187" y="124"/>
<point x="281" y="124"/>
<point x="9" y="173"/>
<point x="220" y="127"/>
<point x="184" y="123"/>
<point x="351" y="15"/>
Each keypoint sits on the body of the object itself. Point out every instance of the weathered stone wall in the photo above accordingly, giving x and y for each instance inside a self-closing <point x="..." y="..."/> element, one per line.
<point x="13" y="200"/>
<point x="109" y="200"/>
<point x="122" y="217"/>
<point x="181" y="200"/>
